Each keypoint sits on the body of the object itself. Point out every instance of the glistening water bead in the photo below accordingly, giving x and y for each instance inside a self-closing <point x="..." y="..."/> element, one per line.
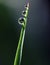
<point x="23" y="12"/>
<point x="21" y="20"/>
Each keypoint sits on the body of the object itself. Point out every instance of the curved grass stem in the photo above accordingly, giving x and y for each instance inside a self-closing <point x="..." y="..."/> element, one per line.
<point x="18" y="56"/>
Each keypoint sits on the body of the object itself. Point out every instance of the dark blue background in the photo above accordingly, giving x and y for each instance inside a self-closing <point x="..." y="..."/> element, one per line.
<point x="36" y="49"/>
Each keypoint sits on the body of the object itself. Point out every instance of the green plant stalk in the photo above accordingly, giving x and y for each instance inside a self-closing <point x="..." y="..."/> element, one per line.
<point x="18" y="55"/>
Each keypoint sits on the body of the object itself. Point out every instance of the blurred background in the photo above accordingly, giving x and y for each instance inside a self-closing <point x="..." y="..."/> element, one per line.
<point x="36" y="49"/>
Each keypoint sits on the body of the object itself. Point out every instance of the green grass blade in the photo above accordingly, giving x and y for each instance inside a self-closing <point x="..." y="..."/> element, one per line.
<point x="23" y="22"/>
